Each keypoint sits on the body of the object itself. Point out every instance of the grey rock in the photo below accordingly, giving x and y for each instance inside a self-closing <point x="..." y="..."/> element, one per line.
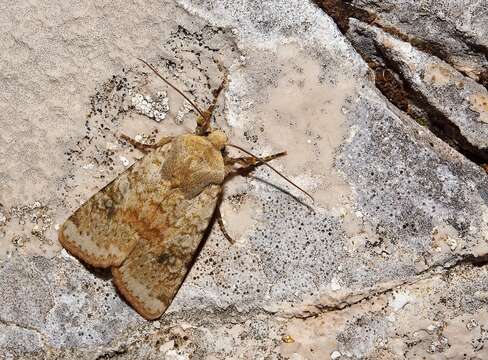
<point x="461" y="101"/>
<point x="60" y="299"/>
<point x="455" y="31"/>
<point x="445" y="321"/>
<point x="396" y="208"/>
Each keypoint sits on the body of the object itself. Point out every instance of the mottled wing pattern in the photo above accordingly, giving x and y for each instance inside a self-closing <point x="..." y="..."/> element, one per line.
<point x="104" y="230"/>
<point x="152" y="274"/>
<point x="148" y="222"/>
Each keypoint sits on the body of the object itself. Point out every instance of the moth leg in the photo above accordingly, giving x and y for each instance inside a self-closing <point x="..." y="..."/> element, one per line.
<point x="249" y="164"/>
<point x="251" y="161"/>
<point x="222" y="227"/>
<point x="203" y="124"/>
<point x="145" y="147"/>
<point x="164" y="140"/>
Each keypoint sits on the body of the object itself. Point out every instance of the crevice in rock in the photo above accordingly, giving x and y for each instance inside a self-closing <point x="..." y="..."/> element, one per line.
<point x="480" y="49"/>
<point x="477" y="261"/>
<point x="484" y="78"/>
<point x="12" y="323"/>
<point x="341" y="11"/>
<point x="436" y="269"/>
<point x="24" y="327"/>
<point x="393" y="85"/>
<point x="320" y="309"/>
<point x="440" y="125"/>
<point x="112" y="353"/>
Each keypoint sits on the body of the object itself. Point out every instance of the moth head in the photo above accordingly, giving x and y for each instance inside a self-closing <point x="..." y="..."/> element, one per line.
<point x="218" y="139"/>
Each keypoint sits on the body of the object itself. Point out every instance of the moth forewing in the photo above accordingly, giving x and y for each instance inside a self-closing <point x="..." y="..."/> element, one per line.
<point x="147" y="224"/>
<point x="152" y="274"/>
<point x="101" y="232"/>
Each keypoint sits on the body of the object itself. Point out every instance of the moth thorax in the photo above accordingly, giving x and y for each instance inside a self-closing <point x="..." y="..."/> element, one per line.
<point x="218" y="139"/>
<point x="192" y="164"/>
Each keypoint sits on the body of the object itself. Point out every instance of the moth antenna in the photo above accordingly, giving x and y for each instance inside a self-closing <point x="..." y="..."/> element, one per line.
<point x="174" y="87"/>
<point x="272" y="168"/>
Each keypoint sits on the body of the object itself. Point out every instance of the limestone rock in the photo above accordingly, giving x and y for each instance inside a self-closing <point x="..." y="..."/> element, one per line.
<point x="388" y="262"/>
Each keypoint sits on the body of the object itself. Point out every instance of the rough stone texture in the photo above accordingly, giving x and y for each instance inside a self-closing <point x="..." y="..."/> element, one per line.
<point x="453" y="30"/>
<point x="462" y="101"/>
<point x="388" y="263"/>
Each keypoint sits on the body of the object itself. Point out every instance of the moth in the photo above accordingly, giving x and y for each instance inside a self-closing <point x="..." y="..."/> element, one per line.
<point x="147" y="224"/>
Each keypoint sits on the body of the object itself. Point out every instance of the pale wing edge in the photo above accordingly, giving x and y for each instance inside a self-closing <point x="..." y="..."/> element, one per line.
<point x="75" y="250"/>
<point x="133" y="300"/>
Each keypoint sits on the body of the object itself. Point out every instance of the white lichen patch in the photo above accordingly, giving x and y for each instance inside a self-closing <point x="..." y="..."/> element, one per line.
<point x="88" y="166"/>
<point x="471" y="324"/>
<point x="399" y="300"/>
<point x="36" y="217"/>
<point x="334" y="284"/>
<point x="19" y="241"/>
<point x="335" y="355"/>
<point x="124" y="161"/>
<point x="3" y="218"/>
<point x="167" y="346"/>
<point x="153" y="107"/>
<point x="182" y="112"/>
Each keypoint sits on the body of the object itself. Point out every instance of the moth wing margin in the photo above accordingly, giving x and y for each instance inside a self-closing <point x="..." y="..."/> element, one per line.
<point x="151" y="275"/>
<point x="103" y="231"/>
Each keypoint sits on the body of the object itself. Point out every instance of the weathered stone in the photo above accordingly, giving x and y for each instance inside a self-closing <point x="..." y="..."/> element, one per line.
<point x="397" y="211"/>
<point x="459" y="101"/>
<point x="455" y="31"/>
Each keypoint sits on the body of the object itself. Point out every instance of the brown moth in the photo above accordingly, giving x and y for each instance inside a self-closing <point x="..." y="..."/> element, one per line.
<point x="147" y="224"/>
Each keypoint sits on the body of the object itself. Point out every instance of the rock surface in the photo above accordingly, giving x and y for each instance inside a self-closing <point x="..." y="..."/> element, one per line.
<point x="454" y="31"/>
<point x="458" y="101"/>
<point x="387" y="263"/>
